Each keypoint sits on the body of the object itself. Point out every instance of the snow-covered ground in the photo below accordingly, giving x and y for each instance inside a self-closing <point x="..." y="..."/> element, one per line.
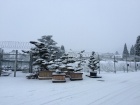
<point x="112" y="89"/>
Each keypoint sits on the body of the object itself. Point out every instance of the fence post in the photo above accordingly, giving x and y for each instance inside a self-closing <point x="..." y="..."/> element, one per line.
<point x="0" y="62"/>
<point x="135" y="63"/>
<point x="1" y="58"/>
<point x="15" y="69"/>
<point x="114" y="64"/>
<point x="30" y="63"/>
<point x="127" y="64"/>
<point x="99" y="63"/>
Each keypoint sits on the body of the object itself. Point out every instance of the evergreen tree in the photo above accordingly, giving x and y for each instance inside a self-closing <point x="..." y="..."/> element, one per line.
<point x="116" y="53"/>
<point x="137" y="46"/>
<point x="125" y="51"/>
<point x="62" y="49"/>
<point x="93" y="63"/>
<point x="81" y="59"/>
<point x="132" y="50"/>
<point x="45" y="52"/>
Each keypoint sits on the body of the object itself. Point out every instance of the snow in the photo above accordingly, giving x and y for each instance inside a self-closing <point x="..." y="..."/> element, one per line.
<point x="112" y="89"/>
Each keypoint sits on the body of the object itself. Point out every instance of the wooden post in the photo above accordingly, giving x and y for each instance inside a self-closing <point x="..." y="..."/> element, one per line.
<point x="15" y="69"/>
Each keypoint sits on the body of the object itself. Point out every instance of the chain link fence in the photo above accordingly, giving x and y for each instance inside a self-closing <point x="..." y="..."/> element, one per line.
<point x="15" y="60"/>
<point x="116" y="63"/>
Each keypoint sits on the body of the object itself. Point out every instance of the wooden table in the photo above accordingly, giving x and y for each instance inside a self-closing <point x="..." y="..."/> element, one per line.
<point x="58" y="77"/>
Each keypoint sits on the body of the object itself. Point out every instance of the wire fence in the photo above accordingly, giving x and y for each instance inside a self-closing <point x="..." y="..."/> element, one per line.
<point x="15" y="61"/>
<point x="15" y="45"/>
<point x="114" y="64"/>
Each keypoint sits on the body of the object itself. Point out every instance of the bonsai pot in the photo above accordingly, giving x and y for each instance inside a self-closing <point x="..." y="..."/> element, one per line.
<point x="93" y="73"/>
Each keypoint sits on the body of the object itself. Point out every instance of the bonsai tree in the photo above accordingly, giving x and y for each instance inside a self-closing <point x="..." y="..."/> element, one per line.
<point x="65" y="60"/>
<point x="81" y="61"/>
<point x="93" y="65"/>
<point x="45" y="52"/>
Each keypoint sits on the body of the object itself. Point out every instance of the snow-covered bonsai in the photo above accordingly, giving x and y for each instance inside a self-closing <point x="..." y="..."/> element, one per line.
<point x="45" y="53"/>
<point x="75" y="75"/>
<point x="65" y="61"/>
<point x="81" y="61"/>
<point x="68" y="65"/>
<point x="93" y="65"/>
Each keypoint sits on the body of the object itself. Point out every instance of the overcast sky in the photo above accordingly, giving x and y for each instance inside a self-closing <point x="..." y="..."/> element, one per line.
<point x="92" y="25"/>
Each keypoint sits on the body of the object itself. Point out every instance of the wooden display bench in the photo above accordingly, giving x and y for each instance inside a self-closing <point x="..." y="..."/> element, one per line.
<point x="69" y="71"/>
<point x="58" y="77"/>
<point x="76" y="76"/>
<point x="43" y="75"/>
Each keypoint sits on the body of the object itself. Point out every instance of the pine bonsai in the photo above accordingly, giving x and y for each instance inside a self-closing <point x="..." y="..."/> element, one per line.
<point x="93" y="65"/>
<point x="45" y="53"/>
